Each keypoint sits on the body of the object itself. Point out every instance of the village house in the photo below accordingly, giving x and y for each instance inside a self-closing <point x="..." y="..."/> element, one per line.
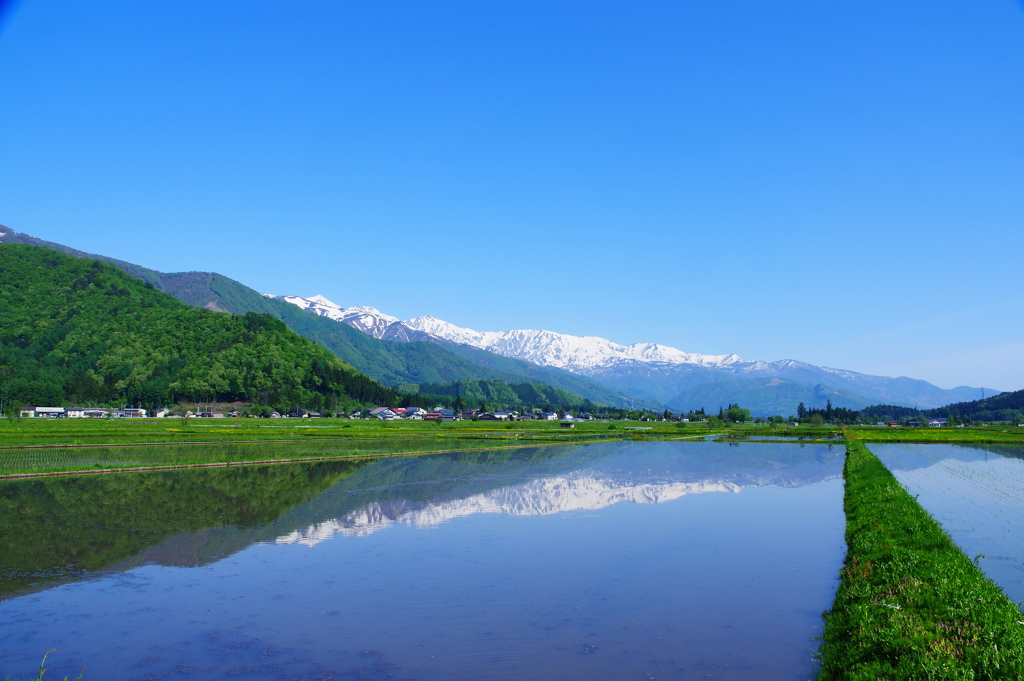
<point x="42" y="413"/>
<point x="131" y="413"/>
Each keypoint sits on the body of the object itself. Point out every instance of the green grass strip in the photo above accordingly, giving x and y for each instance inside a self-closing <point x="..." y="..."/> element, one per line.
<point x="910" y="604"/>
<point x="977" y="435"/>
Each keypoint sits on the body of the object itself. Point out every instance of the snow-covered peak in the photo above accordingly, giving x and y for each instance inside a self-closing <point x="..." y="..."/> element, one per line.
<point x="445" y="330"/>
<point x="322" y="301"/>
<point x="579" y="354"/>
<point x="575" y="353"/>
<point x="318" y="305"/>
<point x="367" y="319"/>
<point x="360" y="310"/>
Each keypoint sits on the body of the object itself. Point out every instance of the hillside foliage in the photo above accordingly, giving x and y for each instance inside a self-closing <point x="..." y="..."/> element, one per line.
<point x="1002" y="407"/>
<point x="81" y="331"/>
<point x="503" y="394"/>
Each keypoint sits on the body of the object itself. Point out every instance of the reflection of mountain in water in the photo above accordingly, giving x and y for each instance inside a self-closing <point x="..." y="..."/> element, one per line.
<point x="54" y="530"/>
<point x="603" y="475"/>
<point x="908" y="457"/>
<point x="59" y="530"/>
<point x="537" y="497"/>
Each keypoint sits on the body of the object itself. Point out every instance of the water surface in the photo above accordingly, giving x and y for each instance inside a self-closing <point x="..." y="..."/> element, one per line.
<point x="607" y="561"/>
<point x="977" y="494"/>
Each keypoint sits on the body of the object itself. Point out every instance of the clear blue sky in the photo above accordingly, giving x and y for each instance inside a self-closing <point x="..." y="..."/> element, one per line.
<point x="839" y="183"/>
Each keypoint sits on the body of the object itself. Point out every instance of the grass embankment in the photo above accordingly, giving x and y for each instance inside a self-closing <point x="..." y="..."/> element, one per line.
<point x="910" y="604"/>
<point x="803" y="434"/>
<point x="60" y="445"/>
<point x="977" y="435"/>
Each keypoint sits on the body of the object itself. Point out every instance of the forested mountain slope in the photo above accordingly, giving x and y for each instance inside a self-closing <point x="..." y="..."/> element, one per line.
<point x="500" y="393"/>
<point x="80" y="330"/>
<point x="399" y="364"/>
<point x="1002" y="407"/>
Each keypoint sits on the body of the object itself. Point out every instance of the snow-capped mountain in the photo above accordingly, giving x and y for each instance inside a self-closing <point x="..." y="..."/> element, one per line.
<point x="367" y="319"/>
<point x="578" y="354"/>
<point x="660" y="373"/>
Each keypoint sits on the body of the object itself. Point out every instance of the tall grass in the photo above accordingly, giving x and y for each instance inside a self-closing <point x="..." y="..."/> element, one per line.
<point x="41" y="674"/>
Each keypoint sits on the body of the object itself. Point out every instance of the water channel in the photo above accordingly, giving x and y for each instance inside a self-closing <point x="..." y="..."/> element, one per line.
<point x="638" y="560"/>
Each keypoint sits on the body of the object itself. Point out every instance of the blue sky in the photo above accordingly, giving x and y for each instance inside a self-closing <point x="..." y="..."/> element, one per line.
<point x="839" y="183"/>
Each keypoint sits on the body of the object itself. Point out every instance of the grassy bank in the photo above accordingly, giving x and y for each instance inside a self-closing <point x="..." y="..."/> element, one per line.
<point x="910" y="604"/>
<point x="977" y="435"/>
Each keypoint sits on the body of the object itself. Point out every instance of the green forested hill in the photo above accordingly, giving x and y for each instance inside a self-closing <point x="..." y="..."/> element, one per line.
<point x="137" y="271"/>
<point x="390" y="362"/>
<point x="79" y="330"/>
<point x="1002" y="407"/>
<point x="500" y="394"/>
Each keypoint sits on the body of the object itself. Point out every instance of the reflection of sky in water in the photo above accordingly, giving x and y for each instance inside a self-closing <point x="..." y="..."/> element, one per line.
<point x="977" y="494"/>
<point x="704" y="584"/>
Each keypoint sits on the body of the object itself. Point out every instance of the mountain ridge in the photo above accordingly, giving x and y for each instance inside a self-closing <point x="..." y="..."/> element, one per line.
<point x="427" y="350"/>
<point x="659" y="373"/>
<point x="401" y="360"/>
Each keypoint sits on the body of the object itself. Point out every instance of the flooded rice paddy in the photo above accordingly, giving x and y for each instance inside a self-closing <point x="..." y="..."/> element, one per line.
<point x="608" y="561"/>
<point x="977" y="495"/>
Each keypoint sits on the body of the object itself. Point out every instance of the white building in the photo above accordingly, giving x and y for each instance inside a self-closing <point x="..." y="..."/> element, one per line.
<point x="42" y="412"/>
<point x="132" y="413"/>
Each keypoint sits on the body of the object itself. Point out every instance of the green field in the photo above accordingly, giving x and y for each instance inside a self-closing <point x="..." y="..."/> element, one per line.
<point x="51" y="445"/>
